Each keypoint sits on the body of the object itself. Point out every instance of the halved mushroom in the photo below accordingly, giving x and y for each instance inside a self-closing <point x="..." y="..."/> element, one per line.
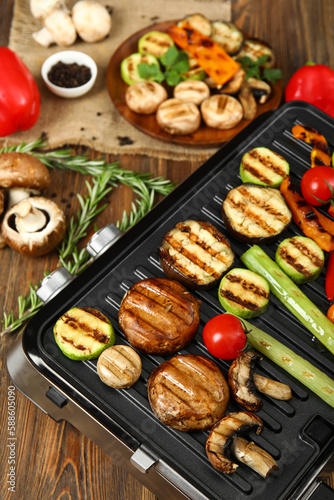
<point x="253" y="456"/>
<point x="219" y="442"/>
<point x="243" y="383"/>
<point x="247" y="100"/>
<point x="261" y="90"/>
<point x="178" y="117"/>
<point x="22" y="175"/>
<point x="221" y="111"/>
<point x="34" y="226"/>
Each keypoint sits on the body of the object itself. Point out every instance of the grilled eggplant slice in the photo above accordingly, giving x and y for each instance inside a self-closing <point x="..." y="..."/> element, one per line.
<point x="255" y="214"/>
<point x="228" y="36"/>
<point x="129" y="67"/>
<point x="196" y="254"/>
<point x="199" y="22"/>
<point x="159" y="316"/>
<point x="300" y="258"/>
<point x="83" y="333"/>
<point x="255" y="48"/>
<point x="264" y="167"/>
<point x="155" y="43"/>
<point x="244" y="293"/>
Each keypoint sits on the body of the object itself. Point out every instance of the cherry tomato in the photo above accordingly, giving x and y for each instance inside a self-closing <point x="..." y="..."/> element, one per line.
<point x="224" y="336"/>
<point x="313" y="184"/>
<point x="330" y="313"/>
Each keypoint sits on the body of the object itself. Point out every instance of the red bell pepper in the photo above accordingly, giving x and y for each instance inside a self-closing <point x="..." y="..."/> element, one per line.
<point x="329" y="283"/>
<point x="313" y="83"/>
<point x="19" y="94"/>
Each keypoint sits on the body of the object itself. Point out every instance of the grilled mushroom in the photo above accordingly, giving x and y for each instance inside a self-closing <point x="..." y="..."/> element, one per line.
<point x="178" y="117"/>
<point x="221" y="111"/>
<point x="261" y="90"/>
<point x="34" y="226"/>
<point x="243" y="383"/>
<point x="192" y="91"/>
<point x="253" y="456"/>
<point x="247" y="100"/>
<point x="145" y="97"/>
<point x="219" y="442"/>
<point x="2" y="207"/>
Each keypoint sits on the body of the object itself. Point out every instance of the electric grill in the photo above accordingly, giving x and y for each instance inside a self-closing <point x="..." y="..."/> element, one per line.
<point x="173" y="464"/>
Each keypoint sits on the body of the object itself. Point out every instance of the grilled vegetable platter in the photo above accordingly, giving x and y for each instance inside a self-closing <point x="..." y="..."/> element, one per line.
<point x="168" y="89"/>
<point x="196" y="316"/>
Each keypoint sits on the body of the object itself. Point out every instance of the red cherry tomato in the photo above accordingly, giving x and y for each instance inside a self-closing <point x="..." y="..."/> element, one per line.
<point x="330" y="313"/>
<point x="314" y="185"/>
<point x="224" y="336"/>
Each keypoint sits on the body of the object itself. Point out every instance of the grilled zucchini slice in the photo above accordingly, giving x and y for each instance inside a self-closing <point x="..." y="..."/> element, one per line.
<point x="264" y="167"/>
<point x="196" y="254"/>
<point x="129" y="67"/>
<point x="300" y="258"/>
<point x="155" y="43"/>
<point x="244" y="293"/>
<point x="255" y="213"/>
<point x="83" y="333"/>
<point x="228" y="36"/>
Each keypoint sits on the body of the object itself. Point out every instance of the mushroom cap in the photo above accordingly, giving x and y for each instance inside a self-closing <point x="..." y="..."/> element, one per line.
<point x="42" y="240"/>
<point x="59" y="23"/>
<point x="91" y="20"/>
<point x="145" y="97"/>
<point x="2" y="200"/>
<point x="40" y="9"/>
<point x="21" y="170"/>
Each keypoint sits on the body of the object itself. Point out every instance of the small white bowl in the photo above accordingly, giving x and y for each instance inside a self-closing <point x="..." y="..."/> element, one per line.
<point x="67" y="57"/>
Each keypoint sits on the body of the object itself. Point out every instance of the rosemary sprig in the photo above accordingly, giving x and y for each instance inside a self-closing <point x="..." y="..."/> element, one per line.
<point x="105" y="176"/>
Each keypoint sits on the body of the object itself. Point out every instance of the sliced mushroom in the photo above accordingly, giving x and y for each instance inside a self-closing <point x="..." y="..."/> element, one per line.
<point x="192" y="91"/>
<point x="247" y="100"/>
<point x="34" y="226"/>
<point x="221" y="111"/>
<point x="178" y="117"/>
<point x="145" y="97"/>
<point x="235" y="83"/>
<point x="91" y="20"/>
<point x="253" y="456"/>
<point x="261" y="90"/>
<point x="219" y="442"/>
<point x="243" y="383"/>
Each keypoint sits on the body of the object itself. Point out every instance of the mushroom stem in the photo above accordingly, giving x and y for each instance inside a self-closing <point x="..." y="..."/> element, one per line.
<point x="253" y="456"/>
<point x="272" y="388"/>
<point x="28" y="218"/>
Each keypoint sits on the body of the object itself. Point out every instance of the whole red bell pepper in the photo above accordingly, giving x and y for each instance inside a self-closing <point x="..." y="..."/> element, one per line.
<point x="19" y="94"/>
<point x="313" y="83"/>
<point x="329" y="283"/>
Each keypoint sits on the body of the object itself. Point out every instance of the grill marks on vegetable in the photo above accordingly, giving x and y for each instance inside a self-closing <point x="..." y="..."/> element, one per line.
<point x="264" y="165"/>
<point x="198" y="250"/>
<point x="237" y="287"/>
<point x="294" y="259"/>
<point x="76" y="323"/>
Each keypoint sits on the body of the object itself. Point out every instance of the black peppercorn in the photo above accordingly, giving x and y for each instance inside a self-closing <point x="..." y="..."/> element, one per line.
<point x="69" y="75"/>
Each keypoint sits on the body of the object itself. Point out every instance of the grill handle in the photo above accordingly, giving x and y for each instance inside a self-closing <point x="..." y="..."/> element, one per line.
<point x="53" y="284"/>
<point x="102" y="240"/>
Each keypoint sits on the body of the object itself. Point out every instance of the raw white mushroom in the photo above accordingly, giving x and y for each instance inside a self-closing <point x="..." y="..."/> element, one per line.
<point x="28" y="218"/>
<point x="221" y="111"/>
<point x="191" y="91"/>
<point x="40" y="9"/>
<point x="91" y="20"/>
<point x="178" y="117"/>
<point x="145" y="97"/>
<point x="58" y="28"/>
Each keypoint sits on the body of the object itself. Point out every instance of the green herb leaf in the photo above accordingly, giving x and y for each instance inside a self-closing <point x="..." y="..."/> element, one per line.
<point x="272" y="74"/>
<point x="172" y="77"/>
<point x="170" y="56"/>
<point x="150" y="72"/>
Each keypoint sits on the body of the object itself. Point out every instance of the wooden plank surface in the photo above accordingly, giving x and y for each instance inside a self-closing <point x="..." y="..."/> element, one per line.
<point x="54" y="460"/>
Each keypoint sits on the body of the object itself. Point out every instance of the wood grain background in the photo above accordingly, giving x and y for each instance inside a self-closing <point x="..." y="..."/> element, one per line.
<point x="55" y="461"/>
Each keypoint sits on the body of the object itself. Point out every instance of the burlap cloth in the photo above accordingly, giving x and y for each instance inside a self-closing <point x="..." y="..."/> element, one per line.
<point x="92" y="120"/>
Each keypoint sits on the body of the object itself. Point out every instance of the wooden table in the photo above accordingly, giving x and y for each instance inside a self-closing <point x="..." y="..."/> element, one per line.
<point x="54" y="460"/>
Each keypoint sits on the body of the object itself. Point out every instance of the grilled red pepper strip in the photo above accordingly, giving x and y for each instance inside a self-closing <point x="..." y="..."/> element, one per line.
<point x="315" y="225"/>
<point x="329" y="283"/>
<point x="19" y="94"/>
<point x="313" y="83"/>
<point x="320" y="155"/>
